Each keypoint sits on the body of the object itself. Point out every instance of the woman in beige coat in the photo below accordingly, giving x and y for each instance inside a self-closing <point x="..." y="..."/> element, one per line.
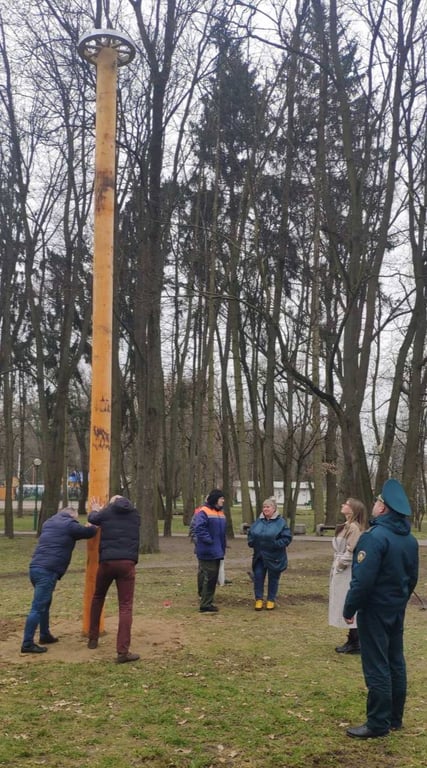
<point x="344" y="543"/>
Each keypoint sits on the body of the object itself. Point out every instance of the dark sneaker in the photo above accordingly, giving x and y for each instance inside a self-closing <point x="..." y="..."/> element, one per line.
<point x="33" y="648"/>
<point x="92" y="643"/>
<point x="209" y="609"/>
<point x="48" y="640"/>
<point x="123" y="658"/>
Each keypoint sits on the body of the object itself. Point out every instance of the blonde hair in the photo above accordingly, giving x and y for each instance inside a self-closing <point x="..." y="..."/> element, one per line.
<point x="359" y="514"/>
<point x="271" y="502"/>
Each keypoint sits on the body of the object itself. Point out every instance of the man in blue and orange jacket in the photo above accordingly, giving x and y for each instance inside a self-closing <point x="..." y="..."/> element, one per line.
<point x="210" y="542"/>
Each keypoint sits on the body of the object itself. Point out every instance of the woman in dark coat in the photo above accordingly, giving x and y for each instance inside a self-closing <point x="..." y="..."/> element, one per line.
<point x="268" y="536"/>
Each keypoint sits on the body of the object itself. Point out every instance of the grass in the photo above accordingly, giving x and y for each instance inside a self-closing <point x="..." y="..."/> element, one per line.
<point x="304" y="516"/>
<point x="241" y="689"/>
<point x="25" y="523"/>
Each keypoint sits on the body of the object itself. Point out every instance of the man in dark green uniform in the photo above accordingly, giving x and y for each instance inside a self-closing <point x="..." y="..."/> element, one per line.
<point x="384" y="574"/>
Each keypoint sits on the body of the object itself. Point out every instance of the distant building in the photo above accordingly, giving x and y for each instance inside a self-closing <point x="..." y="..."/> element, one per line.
<point x="29" y="491"/>
<point x="304" y="497"/>
<point x="15" y="482"/>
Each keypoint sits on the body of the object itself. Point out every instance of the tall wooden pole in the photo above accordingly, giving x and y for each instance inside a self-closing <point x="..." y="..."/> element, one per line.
<point x="107" y="50"/>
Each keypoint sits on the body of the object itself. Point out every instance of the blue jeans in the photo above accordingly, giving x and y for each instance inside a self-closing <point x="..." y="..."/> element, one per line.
<point x="44" y="583"/>
<point x="260" y="571"/>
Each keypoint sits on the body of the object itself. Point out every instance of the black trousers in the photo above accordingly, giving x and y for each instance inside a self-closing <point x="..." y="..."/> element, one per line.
<point x="207" y="579"/>
<point x="384" y="667"/>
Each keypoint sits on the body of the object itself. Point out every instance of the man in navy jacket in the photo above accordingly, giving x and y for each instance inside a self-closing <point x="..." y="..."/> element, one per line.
<point x="210" y="542"/>
<point x="50" y="560"/>
<point x="384" y="575"/>
<point x="119" y="522"/>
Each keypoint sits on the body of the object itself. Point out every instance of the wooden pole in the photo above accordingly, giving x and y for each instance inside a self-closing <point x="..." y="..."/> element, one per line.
<point x="100" y="420"/>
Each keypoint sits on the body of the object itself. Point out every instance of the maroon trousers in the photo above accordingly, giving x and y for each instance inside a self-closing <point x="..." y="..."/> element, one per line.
<point x="123" y="573"/>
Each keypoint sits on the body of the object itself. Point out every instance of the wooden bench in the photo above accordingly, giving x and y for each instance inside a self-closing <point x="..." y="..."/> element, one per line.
<point x="299" y="529"/>
<point x="320" y="528"/>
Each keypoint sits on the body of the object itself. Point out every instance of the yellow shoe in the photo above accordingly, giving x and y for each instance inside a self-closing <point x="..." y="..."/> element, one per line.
<point x="270" y="605"/>
<point x="259" y="605"/>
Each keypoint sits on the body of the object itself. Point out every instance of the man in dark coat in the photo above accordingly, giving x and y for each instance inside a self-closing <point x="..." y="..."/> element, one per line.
<point x="50" y="560"/>
<point x="384" y="575"/>
<point x="119" y="522"/>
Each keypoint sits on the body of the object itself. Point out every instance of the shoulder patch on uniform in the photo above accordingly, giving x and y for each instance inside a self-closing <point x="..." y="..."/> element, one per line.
<point x="361" y="556"/>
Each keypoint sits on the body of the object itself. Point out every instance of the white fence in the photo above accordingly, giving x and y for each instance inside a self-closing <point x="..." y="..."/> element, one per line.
<point x="304" y="497"/>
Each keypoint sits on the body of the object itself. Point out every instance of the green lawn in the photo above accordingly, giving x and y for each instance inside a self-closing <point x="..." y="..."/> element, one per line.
<point x="26" y="523"/>
<point x="238" y="689"/>
<point x="304" y="516"/>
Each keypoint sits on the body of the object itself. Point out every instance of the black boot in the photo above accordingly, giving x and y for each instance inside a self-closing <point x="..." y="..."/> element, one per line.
<point x="352" y="644"/>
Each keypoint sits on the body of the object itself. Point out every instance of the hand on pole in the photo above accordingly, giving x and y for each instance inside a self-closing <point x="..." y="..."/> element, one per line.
<point x="95" y="504"/>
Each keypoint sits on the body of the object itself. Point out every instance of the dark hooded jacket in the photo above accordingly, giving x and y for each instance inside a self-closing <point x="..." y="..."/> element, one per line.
<point x="119" y="523"/>
<point x="57" y="540"/>
<point x="385" y="567"/>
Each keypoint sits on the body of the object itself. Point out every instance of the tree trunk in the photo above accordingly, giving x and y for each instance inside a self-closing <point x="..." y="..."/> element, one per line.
<point x="331" y="456"/>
